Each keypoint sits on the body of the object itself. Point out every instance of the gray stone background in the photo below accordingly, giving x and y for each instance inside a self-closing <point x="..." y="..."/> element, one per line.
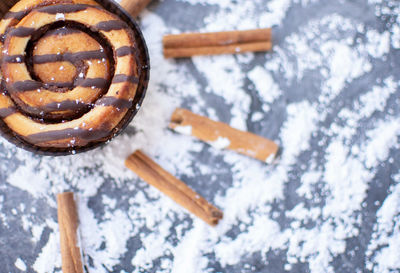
<point x="15" y="240"/>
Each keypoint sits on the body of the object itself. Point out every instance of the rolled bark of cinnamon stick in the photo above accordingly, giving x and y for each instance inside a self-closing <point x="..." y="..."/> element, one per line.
<point x="69" y="240"/>
<point x="216" y="38"/>
<point x="216" y="50"/>
<point x="177" y="190"/>
<point x="134" y="7"/>
<point x="226" y="42"/>
<point x="222" y="136"/>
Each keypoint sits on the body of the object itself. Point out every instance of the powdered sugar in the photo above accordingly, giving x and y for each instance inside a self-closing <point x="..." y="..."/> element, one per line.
<point x="20" y="264"/>
<point x="265" y="86"/>
<point x="60" y="16"/>
<point x="327" y="93"/>
<point x="386" y="235"/>
<point x="220" y="143"/>
<point x="185" y="130"/>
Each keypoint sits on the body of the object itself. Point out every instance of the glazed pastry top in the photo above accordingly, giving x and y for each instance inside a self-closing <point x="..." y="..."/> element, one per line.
<point x="69" y="72"/>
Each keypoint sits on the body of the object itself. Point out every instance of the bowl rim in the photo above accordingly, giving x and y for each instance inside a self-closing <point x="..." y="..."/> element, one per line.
<point x="144" y="70"/>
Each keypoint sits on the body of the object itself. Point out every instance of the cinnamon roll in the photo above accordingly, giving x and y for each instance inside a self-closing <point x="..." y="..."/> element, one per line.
<point x="72" y="74"/>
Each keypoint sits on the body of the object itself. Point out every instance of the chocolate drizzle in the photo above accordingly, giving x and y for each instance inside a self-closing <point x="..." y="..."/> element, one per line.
<point x="16" y="59"/>
<point x="111" y="25"/>
<point x="55" y="85"/>
<point x="124" y="51"/>
<point x="56" y="112"/>
<point x="5" y="112"/>
<point x="21" y="32"/>
<point x="69" y="57"/>
<point x="83" y="134"/>
<point x="74" y="105"/>
<point x="96" y="82"/>
<point x="54" y="9"/>
<point x="62" y="32"/>
<point x="17" y="15"/>
<point x="30" y="85"/>
<point x="113" y="101"/>
<point x="124" y="78"/>
<point x="26" y="86"/>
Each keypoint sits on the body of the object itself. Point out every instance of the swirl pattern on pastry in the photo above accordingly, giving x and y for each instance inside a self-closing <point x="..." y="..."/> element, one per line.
<point x="69" y="72"/>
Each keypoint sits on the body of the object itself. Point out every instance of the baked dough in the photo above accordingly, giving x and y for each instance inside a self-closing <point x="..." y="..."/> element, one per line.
<point x="69" y="72"/>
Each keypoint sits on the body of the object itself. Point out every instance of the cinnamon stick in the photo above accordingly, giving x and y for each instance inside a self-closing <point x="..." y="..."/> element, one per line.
<point x="191" y="44"/>
<point x="177" y="190"/>
<point x="222" y="136"/>
<point x="134" y="7"/>
<point x="216" y="38"/>
<point x="68" y="222"/>
<point x="216" y="50"/>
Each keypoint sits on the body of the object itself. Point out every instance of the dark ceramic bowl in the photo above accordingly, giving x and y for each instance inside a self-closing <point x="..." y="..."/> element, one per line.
<point x="144" y="66"/>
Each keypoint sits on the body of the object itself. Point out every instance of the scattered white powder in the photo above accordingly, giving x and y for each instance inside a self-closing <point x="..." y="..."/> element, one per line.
<point x="345" y="63"/>
<point x="60" y="16"/>
<point x="257" y="116"/>
<point x="332" y="185"/>
<point x="37" y="231"/>
<point x="369" y="103"/>
<point x="376" y="99"/>
<point x="231" y="91"/>
<point x="378" y="44"/>
<point x="37" y="183"/>
<point x="264" y="85"/>
<point x="47" y="260"/>
<point x="275" y="12"/>
<point x="113" y="236"/>
<point x="220" y="143"/>
<point x="307" y="181"/>
<point x="381" y="138"/>
<point x="185" y="130"/>
<point x="20" y="264"/>
<point x="270" y="158"/>
<point x="193" y="241"/>
<point x="396" y="36"/>
<point x="264" y="234"/>
<point x="297" y="130"/>
<point x="386" y="243"/>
